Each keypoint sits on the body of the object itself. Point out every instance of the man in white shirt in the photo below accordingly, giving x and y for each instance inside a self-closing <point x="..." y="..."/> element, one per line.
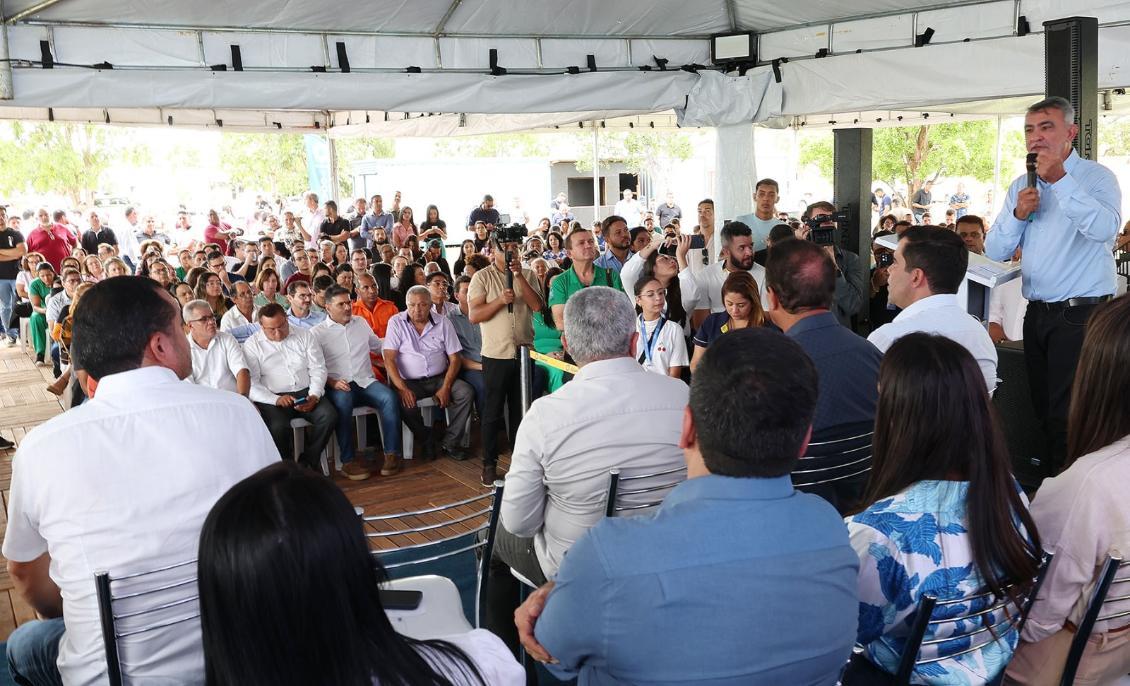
<point x="244" y="311"/>
<point x="613" y="414"/>
<point x="287" y="374"/>
<point x="737" y="255"/>
<point x="128" y="247"/>
<point x="929" y="268"/>
<point x="90" y="493"/>
<point x="310" y="222"/>
<point x="629" y="208"/>
<point x="217" y="360"/>
<point x="346" y="343"/>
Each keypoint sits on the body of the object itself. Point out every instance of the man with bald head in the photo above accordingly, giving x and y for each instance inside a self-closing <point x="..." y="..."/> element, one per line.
<point x="800" y="284"/>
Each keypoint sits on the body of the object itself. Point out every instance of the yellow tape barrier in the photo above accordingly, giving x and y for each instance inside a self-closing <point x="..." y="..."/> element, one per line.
<point x="554" y="362"/>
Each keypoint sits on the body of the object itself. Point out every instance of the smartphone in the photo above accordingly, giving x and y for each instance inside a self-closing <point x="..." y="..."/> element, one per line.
<point x="697" y="243"/>
<point x="393" y="599"/>
<point x="299" y="401"/>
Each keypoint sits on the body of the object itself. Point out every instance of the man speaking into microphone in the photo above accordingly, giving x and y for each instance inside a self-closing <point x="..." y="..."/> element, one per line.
<point x="1065" y="222"/>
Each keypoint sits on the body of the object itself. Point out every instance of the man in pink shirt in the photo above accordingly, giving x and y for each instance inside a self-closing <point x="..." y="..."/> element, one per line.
<point x="53" y="241"/>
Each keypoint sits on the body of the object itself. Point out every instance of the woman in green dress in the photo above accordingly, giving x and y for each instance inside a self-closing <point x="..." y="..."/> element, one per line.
<point x="38" y="291"/>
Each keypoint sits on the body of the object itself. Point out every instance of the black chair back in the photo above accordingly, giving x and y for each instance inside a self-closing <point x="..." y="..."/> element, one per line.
<point x="978" y="622"/>
<point x="141" y="603"/>
<point x="629" y="494"/>
<point x="836" y="465"/>
<point x="1022" y="429"/>
<point x="462" y="528"/>
<point x="1109" y="583"/>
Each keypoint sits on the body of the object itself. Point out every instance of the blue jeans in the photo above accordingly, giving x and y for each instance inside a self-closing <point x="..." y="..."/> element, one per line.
<point x="7" y="304"/>
<point x="475" y="378"/>
<point x="33" y="650"/>
<point x="377" y="396"/>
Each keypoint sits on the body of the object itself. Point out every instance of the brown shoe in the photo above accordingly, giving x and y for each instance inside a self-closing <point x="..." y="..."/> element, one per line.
<point x="490" y="475"/>
<point x="355" y="471"/>
<point x="391" y="465"/>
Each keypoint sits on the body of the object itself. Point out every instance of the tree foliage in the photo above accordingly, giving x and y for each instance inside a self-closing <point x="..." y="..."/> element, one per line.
<point x="274" y="163"/>
<point x="493" y="145"/>
<point x="62" y="157"/>
<point x="908" y="156"/>
<point x="350" y="151"/>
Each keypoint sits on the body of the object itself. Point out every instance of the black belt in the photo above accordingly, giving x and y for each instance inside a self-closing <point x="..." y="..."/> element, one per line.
<point x="1071" y="302"/>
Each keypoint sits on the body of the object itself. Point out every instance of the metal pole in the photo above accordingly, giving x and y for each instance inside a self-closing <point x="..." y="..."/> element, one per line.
<point x="6" y="92"/>
<point x="333" y="169"/>
<point x="595" y="172"/>
<point x="525" y="378"/>
<point x="997" y="167"/>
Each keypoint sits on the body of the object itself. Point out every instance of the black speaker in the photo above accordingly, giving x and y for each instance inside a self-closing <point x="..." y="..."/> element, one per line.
<point x="1071" y="70"/>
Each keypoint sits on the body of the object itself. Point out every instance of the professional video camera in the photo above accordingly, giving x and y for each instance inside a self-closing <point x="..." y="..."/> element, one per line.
<point x="822" y="227"/>
<point x="514" y="233"/>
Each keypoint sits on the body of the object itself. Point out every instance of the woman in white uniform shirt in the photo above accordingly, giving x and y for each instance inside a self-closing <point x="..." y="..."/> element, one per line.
<point x="289" y="594"/>
<point x="661" y="347"/>
<point x="672" y="272"/>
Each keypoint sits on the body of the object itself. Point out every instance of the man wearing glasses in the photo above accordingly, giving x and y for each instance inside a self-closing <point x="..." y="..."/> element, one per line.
<point x="217" y="359"/>
<point x="301" y="259"/>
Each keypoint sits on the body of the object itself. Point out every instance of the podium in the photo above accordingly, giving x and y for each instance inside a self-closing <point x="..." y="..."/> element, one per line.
<point x="981" y="277"/>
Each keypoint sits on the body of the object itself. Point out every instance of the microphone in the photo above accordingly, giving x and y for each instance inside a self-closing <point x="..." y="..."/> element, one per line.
<point x="1030" y="163"/>
<point x="509" y="278"/>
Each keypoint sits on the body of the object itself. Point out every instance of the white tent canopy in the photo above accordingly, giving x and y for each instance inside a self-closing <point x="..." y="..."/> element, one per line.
<point x="163" y="53"/>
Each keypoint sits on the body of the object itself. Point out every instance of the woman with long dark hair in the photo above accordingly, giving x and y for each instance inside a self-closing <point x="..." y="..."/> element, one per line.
<point x="411" y="275"/>
<point x="742" y="300"/>
<point x="269" y="615"/>
<point x="466" y="252"/>
<point x="433" y="226"/>
<point x="1083" y="514"/>
<point x="674" y="276"/>
<point x="547" y="339"/>
<point x="382" y="273"/>
<point x="943" y="516"/>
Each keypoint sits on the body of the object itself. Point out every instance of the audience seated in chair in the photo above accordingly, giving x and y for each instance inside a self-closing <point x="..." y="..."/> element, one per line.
<point x="929" y="266"/>
<point x="1083" y="514"/>
<point x="943" y="516"/>
<point x="288" y="375"/>
<point x="613" y="414"/>
<point x="217" y="359"/>
<point x="346" y="343"/>
<point x="421" y="352"/>
<point x="269" y="613"/>
<point x="738" y="579"/>
<point x="121" y="483"/>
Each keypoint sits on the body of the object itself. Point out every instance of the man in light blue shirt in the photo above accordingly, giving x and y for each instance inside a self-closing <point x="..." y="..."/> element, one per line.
<point x="1065" y="227"/>
<point x="766" y="193"/>
<point x="378" y="218"/>
<point x="738" y="579"/>
<point x="619" y="240"/>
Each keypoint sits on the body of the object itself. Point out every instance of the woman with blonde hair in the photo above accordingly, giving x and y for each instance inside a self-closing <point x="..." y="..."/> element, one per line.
<point x="115" y="266"/>
<point x="92" y="271"/>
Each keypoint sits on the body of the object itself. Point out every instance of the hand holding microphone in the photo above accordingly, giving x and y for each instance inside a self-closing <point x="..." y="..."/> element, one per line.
<point x="1028" y="199"/>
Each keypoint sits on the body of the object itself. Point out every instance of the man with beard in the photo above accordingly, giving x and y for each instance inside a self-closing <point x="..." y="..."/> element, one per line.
<point x="737" y="255"/>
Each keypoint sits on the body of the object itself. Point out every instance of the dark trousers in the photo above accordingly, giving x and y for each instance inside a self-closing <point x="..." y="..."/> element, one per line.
<point x="1053" y="337"/>
<point x="322" y="419"/>
<point x="503" y="590"/>
<point x="503" y="393"/>
<point x="462" y="395"/>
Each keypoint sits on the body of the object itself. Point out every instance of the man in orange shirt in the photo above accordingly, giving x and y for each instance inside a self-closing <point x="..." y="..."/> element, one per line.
<point x="375" y="311"/>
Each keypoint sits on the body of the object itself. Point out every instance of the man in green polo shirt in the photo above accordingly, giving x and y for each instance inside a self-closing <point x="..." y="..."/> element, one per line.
<point x="581" y="245"/>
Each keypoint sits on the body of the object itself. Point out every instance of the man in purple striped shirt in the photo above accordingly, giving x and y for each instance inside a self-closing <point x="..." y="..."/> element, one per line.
<point x="421" y="351"/>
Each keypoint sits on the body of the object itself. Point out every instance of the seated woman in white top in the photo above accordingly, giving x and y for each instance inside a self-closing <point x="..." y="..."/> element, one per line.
<point x="289" y="595"/>
<point x="661" y="347"/>
<point x="1083" y="514"/>
<point x="944" y="517"/>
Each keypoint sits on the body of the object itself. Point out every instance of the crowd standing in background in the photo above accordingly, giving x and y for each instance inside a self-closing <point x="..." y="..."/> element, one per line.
<point x="661" y="351"/>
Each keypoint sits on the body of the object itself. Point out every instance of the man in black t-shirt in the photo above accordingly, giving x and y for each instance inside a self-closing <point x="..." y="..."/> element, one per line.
<point x="12" y="248"/>
<point x="920" y="203"/>
<point x="335" y="228"/>
<point x="97" y="234"/>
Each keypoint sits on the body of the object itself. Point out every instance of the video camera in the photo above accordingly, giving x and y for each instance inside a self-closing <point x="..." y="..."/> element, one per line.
<point x="514" y="233"/>
<point x="822" y="227"/>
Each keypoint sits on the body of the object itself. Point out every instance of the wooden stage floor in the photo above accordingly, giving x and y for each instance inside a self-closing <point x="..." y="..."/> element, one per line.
<point x="25" y="403"/>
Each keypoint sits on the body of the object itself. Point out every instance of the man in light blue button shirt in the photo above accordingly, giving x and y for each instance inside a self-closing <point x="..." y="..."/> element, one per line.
<point x="1066" y="227"/>
<point x="738" y="579"/>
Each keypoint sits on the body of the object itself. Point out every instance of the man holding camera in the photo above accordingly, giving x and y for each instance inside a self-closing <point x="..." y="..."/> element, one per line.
<point x="822" y="228"/>
<point x="1065" y="216"/>
<point x="503" y="298"/>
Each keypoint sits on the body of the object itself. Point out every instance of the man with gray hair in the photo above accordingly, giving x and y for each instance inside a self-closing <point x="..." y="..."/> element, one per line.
<point x="612" y="415"/>
<point x="217" y="359"/>
<point x="1066" y="225"/>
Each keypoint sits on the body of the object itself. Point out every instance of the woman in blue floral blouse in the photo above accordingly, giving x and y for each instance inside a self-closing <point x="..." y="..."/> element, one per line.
<point x="943" y="517"/>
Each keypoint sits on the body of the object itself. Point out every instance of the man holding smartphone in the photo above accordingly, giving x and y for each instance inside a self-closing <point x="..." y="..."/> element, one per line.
<point x="288" y="371"/>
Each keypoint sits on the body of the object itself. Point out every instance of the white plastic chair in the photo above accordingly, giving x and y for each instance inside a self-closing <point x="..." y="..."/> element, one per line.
<point x="440" y="612"/>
